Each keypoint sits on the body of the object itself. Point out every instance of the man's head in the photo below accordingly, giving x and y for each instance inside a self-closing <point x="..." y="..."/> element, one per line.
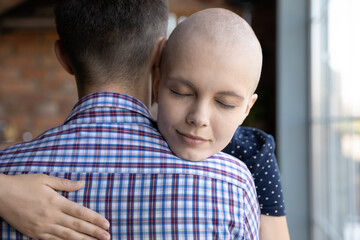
<point x="210" y="69"/>
<point x="109" y="42"/>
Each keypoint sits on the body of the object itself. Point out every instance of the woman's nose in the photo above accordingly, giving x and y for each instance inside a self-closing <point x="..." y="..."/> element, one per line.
<point x="198" y="115"/>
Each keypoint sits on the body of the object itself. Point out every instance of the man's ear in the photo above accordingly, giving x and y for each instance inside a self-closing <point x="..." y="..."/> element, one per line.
<point x="159" y="49"/>
<point x="251" y="102"/>
<point x="156" y="84"/>
<point x="155" y="73"/>
<point x="62" y="59"/>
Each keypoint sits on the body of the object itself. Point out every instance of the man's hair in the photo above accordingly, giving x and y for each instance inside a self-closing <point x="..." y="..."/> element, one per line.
<point x="110" y="39"/>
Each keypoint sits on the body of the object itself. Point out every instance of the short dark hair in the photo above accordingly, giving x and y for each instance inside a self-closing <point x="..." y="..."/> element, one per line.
<point x="108" y="39"/>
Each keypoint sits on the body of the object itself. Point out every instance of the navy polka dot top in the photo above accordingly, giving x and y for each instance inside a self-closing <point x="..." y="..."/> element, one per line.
<point x="256" y="149"/>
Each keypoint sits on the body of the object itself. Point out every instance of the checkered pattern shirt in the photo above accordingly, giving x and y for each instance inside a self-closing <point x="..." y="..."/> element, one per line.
<point x="132" y="178"/>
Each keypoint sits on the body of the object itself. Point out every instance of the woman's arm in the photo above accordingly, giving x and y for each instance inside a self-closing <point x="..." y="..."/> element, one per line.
<point x="257" y="150"/>
<point x="30" y="204"/>
<point x="273" y="228"/>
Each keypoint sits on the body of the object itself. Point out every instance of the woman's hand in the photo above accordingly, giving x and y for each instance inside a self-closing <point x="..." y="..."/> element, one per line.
<point x="30" y="204"/>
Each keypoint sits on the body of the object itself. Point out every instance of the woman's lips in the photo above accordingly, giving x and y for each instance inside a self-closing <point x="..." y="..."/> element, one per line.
<point x="191" y="139"/>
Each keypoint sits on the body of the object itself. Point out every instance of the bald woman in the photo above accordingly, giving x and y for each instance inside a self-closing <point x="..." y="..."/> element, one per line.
<point x="209" y="72"/>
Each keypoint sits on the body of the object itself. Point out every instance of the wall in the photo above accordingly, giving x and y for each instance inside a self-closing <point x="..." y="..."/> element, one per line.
<point x="35" y="92"/>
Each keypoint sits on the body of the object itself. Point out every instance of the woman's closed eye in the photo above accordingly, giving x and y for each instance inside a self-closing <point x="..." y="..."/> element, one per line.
<point x="180" y="94"/>
<point x="225" y="106"/>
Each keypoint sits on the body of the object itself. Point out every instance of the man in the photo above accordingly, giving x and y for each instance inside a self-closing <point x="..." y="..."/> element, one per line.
<point x="109" y="140"/>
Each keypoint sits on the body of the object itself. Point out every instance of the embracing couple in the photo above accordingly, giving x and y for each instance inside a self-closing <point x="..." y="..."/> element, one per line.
<point x="141" y="178"/>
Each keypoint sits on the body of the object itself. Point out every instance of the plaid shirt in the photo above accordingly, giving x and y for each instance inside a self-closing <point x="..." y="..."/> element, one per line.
<point x="132" y="178"/>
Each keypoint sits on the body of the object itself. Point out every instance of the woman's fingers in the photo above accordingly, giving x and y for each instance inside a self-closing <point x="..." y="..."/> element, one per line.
<point x="61" y="184"/>
<point x="82" y="228"/>
<point x="82" y="213"/>
<point x="58" y="232"/>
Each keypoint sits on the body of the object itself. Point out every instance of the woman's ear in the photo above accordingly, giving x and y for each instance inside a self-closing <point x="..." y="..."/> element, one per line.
<point x="250" y="104"/>
<point x="62" y="58"/>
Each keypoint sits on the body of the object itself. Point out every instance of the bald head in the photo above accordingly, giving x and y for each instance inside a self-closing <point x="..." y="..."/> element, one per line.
<point x="221" y="28"/>
<point x="209" y="71"/>
<point x="218" y="25"/>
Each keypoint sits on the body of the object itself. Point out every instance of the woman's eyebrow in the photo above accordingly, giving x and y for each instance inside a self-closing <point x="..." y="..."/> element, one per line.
<point x="182" y="80"/>
<point x="231" y="93"/>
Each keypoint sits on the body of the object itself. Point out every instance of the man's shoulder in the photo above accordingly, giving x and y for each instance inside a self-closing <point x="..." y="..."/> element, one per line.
<point x="122" y="149"/>
<point x="230" y="169"/>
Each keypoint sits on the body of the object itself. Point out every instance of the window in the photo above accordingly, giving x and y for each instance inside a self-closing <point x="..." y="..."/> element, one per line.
<point x="335" y="119"/>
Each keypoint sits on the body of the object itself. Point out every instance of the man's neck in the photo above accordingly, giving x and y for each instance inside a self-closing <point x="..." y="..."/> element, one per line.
<point x="141" y="93"/>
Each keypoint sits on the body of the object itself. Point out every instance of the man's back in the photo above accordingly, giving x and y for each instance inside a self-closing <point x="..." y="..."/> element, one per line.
<point x="134" y="180"/>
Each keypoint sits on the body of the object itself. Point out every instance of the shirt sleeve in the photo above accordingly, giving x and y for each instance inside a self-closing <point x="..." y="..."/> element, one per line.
<point x="257" y="150"/>
<point x="251" y="214"/>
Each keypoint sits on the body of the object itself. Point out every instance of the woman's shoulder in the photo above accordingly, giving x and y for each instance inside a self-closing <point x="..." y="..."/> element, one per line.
<point x="248" y="142"/>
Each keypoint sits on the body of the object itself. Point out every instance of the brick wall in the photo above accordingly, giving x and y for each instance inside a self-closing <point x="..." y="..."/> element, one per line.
<point x="35" y="92"/>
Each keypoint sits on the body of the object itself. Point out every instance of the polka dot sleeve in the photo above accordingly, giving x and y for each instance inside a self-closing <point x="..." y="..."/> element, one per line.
<point x="256" y="149"/>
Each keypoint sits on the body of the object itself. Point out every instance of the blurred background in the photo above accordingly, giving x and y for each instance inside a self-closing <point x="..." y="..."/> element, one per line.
<point x="309" y="96"/>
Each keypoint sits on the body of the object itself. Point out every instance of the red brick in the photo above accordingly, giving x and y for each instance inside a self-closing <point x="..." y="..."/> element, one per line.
<point x="9" y="74"/>
<point x="42" y="124"/>
<point x="21" y="62"/>
<point x="17" y="120"/>
<point x="50" y="36"/>
<point x="5" y="49"/>
<point x="15" y="108"/>
<point x="47" y="109"/>
<point x="60" y="73"/>
<point x="38" y="74"/>
<point x="49" y="61"/>
<point x="20" y="37"/>
<point x="17" y="87"/>
<point x="32" y="49"/>
<point x="49" y="85"/>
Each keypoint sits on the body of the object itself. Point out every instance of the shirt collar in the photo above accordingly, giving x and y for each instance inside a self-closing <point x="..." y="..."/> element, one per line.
<point x="110" y="100"/>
